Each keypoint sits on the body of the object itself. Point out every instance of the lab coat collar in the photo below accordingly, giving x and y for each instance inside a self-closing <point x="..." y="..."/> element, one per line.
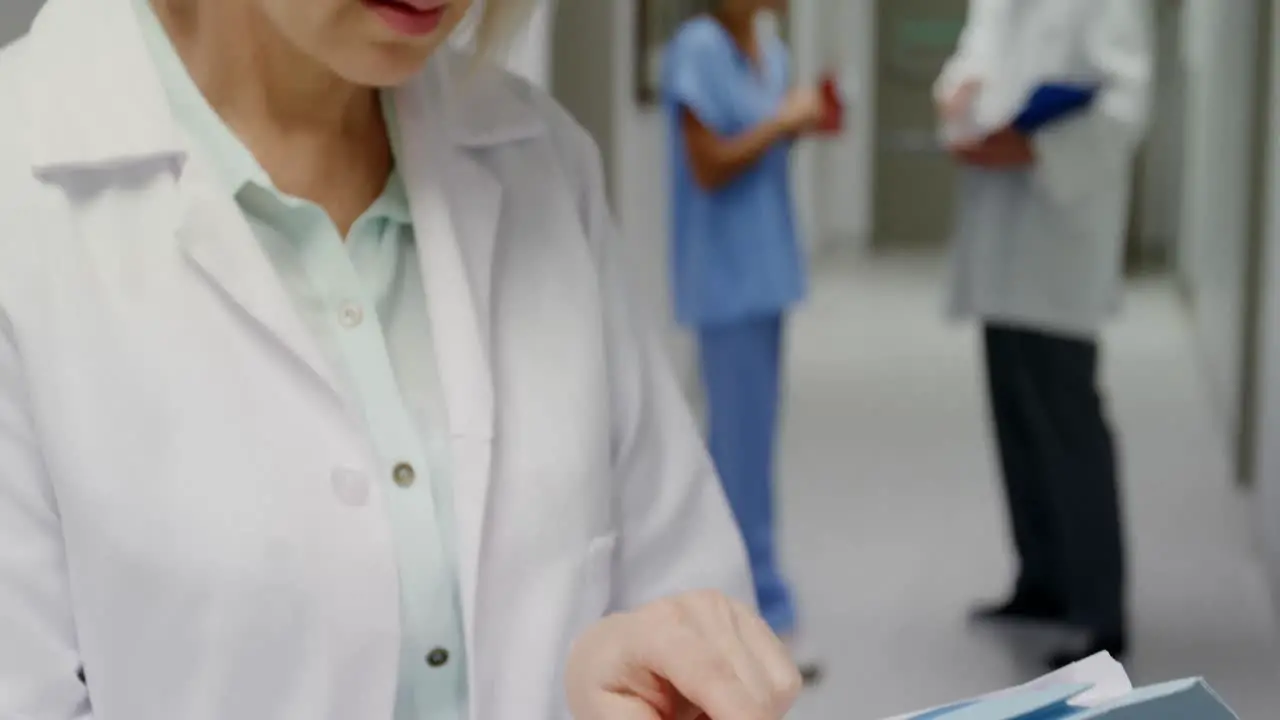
<point x="96" y="101"/>
<point x="483" y="109"/>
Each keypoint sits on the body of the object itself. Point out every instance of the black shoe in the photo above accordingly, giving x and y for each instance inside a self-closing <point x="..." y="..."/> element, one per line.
<point x="810" y="668"/>
<point x="810" y="673"/>
<point x="1116" y="644"/>
<point x="1022" y="607"/>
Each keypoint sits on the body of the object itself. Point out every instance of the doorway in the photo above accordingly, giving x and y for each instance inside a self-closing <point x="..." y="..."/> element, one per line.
<point x="914" y="180"/>
<point x="584" y="29"/>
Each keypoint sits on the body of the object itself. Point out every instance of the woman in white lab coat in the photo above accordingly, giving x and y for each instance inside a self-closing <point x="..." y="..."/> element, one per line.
<point x="319" y="396"/>
<point x="1045" y="103"/>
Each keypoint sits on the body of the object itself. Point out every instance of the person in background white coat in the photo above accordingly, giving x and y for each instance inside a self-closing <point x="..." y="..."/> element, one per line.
<point x="319" y="394"/>
<point x="1045" y="103"/>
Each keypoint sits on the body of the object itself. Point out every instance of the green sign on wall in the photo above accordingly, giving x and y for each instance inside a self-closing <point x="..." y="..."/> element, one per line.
<point x="930" y="33"/>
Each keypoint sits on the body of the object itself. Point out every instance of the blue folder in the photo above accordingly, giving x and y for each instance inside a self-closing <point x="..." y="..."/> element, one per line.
<point x="1182" y="700"/>
<point x="1051" y="103"/>
<point x="944" y="711"/>
<point x="1040" y="704"/>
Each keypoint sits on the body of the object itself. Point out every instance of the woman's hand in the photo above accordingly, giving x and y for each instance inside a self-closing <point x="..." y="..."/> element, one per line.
<point x="955" y="106"/>
<point x="691" y="657"/>
<point x="1007" y="149"/>
<point x="802" y="110"/>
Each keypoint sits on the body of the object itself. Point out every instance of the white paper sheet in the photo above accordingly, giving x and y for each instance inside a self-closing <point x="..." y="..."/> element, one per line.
<point x="1108" y="678"/>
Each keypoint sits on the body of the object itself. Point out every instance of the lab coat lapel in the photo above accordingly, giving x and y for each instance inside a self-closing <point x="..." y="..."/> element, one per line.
<point x="215" y="235"/>
<point x="474" y="196"/>
<point x="455" y="205"/>
<point x="98" y="106"/>
<point x="95" y="102"/>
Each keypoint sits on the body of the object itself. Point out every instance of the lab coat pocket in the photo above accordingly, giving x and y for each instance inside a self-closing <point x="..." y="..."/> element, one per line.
<point x="1078" y="159"/>
<point x="1068" y="162"/>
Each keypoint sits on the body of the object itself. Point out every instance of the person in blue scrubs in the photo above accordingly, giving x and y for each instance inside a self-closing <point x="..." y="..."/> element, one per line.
<point x="737" y="261"/>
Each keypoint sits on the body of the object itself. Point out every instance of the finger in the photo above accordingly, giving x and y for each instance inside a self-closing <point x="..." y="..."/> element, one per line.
<point x="678" y="653"/>
<point x="772" y="656"/>
<point x="716" y="619"/>
<point x="959" y="102"/>
<point x="771" y="659"/>
<point x="620" y="707"/>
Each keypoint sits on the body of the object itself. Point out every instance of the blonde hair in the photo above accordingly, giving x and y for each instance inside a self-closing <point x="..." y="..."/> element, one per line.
<point x="499" y="21"/>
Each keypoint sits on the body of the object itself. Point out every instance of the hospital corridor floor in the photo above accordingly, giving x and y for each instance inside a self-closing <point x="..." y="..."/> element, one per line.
<point x="892" y="519"/>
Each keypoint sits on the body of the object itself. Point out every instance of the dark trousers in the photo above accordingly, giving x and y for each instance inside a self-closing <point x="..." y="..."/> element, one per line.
<point x="1058" y="459"/>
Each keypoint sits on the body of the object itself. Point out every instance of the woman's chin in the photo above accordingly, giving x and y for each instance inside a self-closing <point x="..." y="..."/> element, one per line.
<point x="383" y="67"/>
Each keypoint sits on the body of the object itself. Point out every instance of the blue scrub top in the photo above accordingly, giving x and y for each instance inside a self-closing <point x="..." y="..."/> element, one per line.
<point x="736" y="252"/>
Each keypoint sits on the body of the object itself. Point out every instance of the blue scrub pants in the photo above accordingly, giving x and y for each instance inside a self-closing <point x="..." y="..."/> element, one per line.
<point x="741" y="369"/>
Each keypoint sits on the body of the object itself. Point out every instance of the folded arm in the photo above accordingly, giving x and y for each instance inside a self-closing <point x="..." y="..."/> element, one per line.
<point x="716" y="160"/>
<point x="697" y="75"/>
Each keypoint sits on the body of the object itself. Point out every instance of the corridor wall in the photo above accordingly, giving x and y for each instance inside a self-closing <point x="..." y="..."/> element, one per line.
<point x="844" y="167"/>
<point x="1159" y="201"/>
<point x="1215" y="243"/>
<point x="1267" y="460"/>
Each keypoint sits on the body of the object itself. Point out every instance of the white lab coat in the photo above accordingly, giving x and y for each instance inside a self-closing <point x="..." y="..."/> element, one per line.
<point x="178" y="469"/>
<point x="1043" y="248"/>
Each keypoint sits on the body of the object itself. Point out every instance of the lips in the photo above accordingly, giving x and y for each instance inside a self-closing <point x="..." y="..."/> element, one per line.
<point x="413" y="18"/>
<point x="408" y="6"/>
<point x="421" y="5"/>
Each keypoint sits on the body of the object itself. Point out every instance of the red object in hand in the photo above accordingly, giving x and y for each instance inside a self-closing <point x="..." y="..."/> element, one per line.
<point x="832" y="122"/>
